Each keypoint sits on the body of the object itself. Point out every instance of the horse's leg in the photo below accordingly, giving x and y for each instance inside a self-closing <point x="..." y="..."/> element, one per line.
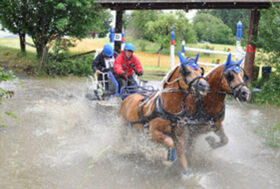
<point x="157" y="129"/>
<point x="190" y="138"/>
<point x="179" y="139"/>
<point x="221" y="134"/>
<point x="159" y="137"/>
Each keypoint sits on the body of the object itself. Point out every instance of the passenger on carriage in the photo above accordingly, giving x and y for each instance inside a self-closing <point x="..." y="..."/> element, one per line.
<point x="104" y="63"/>
<point x="124" y="66"/>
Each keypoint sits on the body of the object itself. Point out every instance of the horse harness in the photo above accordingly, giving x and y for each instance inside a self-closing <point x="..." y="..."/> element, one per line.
<point x="201" y="117"/>
<point x="182" y="116"/>
<point x="158" y="112"/>
<point x="230" y="77"/>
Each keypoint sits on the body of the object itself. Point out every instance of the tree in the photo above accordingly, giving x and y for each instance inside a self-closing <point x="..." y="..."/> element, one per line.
<point x="137" y="21"/>
<point x="230" y="17"/>
<point x="212" y="29"/>
<point x="269" y="34"/>
<point x="160" y="29"/>
<point x="102" y="26"/>
<point x="46" y="20"/>
<point x="12" y="17"/>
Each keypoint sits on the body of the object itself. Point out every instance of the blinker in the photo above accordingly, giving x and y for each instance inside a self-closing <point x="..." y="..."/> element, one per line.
<point x="188" y="61"/>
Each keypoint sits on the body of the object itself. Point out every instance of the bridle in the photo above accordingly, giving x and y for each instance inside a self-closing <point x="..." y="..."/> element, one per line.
<point x="185" y="72"/>
<point x="230" y="77"/>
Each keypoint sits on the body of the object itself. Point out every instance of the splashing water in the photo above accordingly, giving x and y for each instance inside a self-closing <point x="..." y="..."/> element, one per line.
<point x="64" y="141"/>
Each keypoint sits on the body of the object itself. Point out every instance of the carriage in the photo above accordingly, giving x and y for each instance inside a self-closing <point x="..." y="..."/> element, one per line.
<point x="107" y="89"/>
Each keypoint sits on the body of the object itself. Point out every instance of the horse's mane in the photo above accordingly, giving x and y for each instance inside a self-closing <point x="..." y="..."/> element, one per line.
<point x="167" y="77"/>
<point x="212" y="70"/>
<point x="209" y="72"/>
<point x="161" y="87"/>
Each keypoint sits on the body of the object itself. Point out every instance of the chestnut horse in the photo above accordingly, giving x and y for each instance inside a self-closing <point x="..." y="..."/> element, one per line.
<point x="161" y="111"/>
<point x="206" y="113"/>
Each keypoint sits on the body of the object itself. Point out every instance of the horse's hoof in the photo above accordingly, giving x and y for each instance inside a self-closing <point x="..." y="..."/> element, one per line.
<point x="211" y="141"/>
<point x="186" y="175"/>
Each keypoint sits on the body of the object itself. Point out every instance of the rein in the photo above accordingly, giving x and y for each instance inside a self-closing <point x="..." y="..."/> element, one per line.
<point x="159" y="111"/>
<point x="233" y="92"/>
<point x="201" y="117"/>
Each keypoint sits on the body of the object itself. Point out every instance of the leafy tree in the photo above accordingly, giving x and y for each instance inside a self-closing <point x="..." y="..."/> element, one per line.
<point x="160" y="29"/>
<point x="46" y="20"/>
<point x="230" y="17"/>
<point x="102" y="26"/>
<point x="269" y="41"/>
<point x="12" y="16"/>
<point x="137" y="21"/>
<point x="269" y="30"/>
<point x="212" y="29"/>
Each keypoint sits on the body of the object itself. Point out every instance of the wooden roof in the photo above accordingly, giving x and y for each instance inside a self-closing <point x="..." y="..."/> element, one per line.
<point x="184" y="4"/>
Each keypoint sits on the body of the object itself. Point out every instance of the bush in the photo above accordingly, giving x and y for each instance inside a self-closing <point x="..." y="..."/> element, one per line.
<point x="80" y="66"/>
<point x="60" y="62"/>
<point x="270" y="92"/>
<point x="6" y="76"/>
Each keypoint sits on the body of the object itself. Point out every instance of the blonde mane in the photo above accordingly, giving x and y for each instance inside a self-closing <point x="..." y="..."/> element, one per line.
<point x="161" y="87"/>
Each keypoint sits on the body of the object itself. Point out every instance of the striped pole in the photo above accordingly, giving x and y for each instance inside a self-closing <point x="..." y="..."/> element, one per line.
<point x="239" y="50"/>
<point x="172" y="49"/>
<point x="112" y="33"/>
<point x="183" y="48"/>
<point x="123" y="41"/>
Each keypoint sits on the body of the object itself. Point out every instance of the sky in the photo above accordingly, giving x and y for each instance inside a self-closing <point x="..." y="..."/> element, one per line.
<point x="6" y="34"/>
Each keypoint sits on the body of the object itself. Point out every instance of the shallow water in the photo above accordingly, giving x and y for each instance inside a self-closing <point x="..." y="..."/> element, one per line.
<point x="61" y="140"/>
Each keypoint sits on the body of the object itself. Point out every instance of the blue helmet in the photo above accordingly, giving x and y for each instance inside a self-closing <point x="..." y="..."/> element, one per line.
<point x="108" y="50"/>
<point x="129" y="47"/>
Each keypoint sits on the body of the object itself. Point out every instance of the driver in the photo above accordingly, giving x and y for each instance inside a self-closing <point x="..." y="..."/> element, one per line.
<point x="104" y="63"/>
<point x="124" y="66"/>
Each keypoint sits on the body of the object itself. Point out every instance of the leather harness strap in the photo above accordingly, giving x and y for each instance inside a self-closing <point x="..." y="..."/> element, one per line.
<point x="159" y="112"/>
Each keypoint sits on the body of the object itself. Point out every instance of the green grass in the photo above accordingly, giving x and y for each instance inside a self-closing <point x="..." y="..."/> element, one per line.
<point x="24" y="63"/>
<point x="147" y="46"/>
<point x="12" y="58"/>
<point x="271" y="134"/>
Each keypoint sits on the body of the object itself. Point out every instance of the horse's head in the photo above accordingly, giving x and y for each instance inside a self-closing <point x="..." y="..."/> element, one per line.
<point x="191" y="76"/>
<point x="236" y="79"/>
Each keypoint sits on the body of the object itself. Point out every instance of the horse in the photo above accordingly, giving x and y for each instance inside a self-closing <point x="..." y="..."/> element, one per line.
<point x="160" y="111"/>
<point x="206" y="113"/>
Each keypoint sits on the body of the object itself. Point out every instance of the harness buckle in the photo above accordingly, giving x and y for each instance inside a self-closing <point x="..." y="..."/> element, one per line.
<point x="211" y="123"/>
<point x="146" y="128"/>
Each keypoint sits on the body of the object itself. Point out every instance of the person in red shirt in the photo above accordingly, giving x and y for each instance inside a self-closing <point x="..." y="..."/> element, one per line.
<point x="125" y="64"/>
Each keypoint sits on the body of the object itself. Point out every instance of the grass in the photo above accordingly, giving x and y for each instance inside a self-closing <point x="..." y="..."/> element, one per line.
<point x="271" y="135"/>
<point x="145" y="51"/>
<point x="12" y="58"/>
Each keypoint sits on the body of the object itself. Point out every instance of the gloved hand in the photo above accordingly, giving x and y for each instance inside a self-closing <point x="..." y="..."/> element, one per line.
<point x="123" y="75"/>
<point x="140" y="73"/>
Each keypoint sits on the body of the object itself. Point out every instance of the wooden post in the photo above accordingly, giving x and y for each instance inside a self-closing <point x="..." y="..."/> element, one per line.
<point x="118" y="29"/>
<point x="251" y="44"/>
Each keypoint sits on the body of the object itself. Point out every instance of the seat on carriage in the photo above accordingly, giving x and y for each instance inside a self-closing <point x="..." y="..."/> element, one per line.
<point x="108" y="87"/>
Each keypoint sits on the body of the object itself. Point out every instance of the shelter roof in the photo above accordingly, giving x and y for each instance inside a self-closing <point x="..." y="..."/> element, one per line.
<point x="184" y="4"/>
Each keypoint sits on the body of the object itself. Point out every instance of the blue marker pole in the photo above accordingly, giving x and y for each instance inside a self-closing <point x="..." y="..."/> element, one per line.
<point x="239" y="31"/>
<point x="172" y="49"/>
<point x="239" y="50"/>
<point x="112" y="33"/>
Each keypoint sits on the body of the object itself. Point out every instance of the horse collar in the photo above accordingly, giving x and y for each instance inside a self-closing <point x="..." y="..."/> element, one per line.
<point x="201" y="117"/>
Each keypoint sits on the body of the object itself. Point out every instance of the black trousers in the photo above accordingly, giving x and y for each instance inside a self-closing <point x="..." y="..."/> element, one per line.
<point x="123" y="82"/>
